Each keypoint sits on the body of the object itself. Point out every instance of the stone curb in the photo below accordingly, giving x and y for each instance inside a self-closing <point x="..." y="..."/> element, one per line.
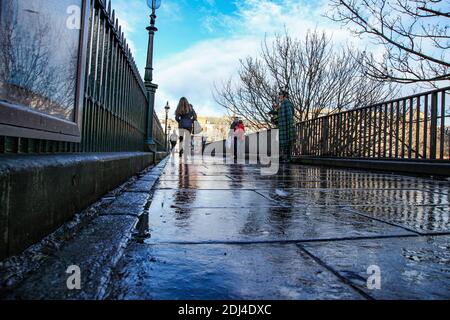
<point x="97" y="246"/>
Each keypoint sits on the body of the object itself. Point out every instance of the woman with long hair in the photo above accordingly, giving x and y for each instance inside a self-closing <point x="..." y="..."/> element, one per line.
<point x="185" y="116"/>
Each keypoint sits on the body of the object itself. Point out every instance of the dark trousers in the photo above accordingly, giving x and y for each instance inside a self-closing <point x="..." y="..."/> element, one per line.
<point x="286" y="152"/>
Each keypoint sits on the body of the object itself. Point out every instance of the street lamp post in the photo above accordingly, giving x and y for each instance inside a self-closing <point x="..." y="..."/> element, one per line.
<point x="148" y="78"/>
<point x="167" y="108"/>
<point x="170" y="130"/>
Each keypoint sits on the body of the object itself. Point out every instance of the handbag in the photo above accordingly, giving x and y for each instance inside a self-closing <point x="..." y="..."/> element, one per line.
<point x="197" y="127"/>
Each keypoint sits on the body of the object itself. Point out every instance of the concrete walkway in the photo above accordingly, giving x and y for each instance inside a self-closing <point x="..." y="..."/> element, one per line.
<point x="215" y="231"/>
<point x="225" y="232"/>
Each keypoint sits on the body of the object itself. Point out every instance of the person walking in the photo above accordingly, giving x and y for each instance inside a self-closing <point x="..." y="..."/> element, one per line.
<point x="173" y="140"/>
<point x="232" y="140"/>
<point x="234" y="124"/>
<point x="185" y="116"/>
<point x="239" y="134"/>
<point x="204" y="141"/>
<point x="286" y="125"/>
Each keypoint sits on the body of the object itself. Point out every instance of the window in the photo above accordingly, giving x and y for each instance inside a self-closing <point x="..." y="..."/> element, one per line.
<point x="41" y="64"/>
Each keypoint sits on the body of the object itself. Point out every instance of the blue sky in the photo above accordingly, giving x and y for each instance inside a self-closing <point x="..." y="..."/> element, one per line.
<point x="200" y="42"/>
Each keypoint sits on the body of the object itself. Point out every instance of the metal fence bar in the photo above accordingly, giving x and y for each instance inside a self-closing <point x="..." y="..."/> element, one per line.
<point x="433" y="126"/>
<point x="397" y="128"/>
<point x="410" y="136"/>
<point x="442" y="129"/>
<point x="385" y="135"/>
<point x="391" y="128"/>
<point x="418" y="129"/>
<point x="403" y="141"/>
<point x="378" y="126"/>
<point x="425" y="128"/>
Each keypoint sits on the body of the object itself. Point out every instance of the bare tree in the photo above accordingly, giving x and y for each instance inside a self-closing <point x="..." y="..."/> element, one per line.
<point x="321" y="80"/>
<point x="415" y="35"/>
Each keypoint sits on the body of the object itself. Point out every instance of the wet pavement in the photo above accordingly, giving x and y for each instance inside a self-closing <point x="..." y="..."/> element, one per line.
<point x="224" y="231"/>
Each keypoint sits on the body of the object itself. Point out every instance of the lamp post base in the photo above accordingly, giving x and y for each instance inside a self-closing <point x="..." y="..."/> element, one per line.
<point x="150" y="146"/>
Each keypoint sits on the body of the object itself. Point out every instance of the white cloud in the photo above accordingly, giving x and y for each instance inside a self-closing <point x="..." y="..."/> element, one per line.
<point x="193" y="72"/>
<point x="170" y="12"/>
<point x="130" y="17"/>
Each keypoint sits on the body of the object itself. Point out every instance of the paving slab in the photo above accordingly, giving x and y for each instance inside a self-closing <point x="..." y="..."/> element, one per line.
<point x="199" y="184"/>
<point x="423" y="219"/>
<point x="176" y="177"/>
<point x="128" y="203"/>
<point x="207" y="198"/>
<point x="142" y="185"/>
<point x="96" y="248"/>
<point x="410" y="268"/>
<point x="354" y="197"/>
<point x="223" y="272"/>
<point x="262" y="224"/>
<point x="391" y="197"/>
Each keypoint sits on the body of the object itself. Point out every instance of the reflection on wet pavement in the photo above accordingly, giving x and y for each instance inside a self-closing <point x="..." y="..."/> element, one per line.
<point x="263" y="224"/>
<point x="411" y="268"/>
<point x="425" y="219"/>
<point x="223" y="231"/>
<point x="225" y="272"/>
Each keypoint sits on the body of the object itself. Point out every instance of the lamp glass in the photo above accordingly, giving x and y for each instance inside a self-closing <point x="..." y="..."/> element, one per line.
<point x="154" y="4"/>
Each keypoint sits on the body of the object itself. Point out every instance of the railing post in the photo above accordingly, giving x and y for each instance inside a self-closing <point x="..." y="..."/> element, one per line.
<point x="149" y="85"/>
<point x="433" y="126"/>
<point x="325" y="136"/>
<point x="151" y="90"/>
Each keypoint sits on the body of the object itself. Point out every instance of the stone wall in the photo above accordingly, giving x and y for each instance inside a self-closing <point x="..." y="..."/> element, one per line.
<point x="39" y="193"/>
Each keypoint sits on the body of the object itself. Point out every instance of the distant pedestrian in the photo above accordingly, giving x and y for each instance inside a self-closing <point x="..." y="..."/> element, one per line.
<point x="286" y="126"/>
<point x="204" y="140"/>
<point x="239" y="131"/>
<point x="234" y="124"/>
<point x="232" y="140"/>
<point x="173" y="140"/>
<point x="185" y="116"/>
<point x="239" y="137"/>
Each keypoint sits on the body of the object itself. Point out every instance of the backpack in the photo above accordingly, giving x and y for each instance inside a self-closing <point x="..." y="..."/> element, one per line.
<point x="186" y="121"/>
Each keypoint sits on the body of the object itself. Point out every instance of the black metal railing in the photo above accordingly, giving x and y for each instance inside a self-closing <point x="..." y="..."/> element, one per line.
<point x="159" y="135"/>
<point x="416" y="127"/>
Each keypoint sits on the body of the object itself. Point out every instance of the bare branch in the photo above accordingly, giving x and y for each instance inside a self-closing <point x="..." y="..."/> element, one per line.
<point x="320" y="80"/>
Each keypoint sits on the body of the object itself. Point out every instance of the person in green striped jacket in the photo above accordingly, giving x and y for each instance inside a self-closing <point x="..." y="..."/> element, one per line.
<point x="286" y="126"/>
